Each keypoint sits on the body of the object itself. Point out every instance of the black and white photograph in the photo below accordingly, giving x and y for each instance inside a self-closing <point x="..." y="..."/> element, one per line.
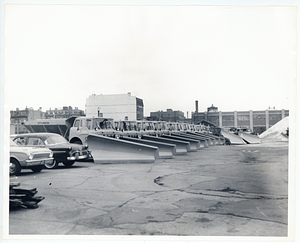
<point x="149" y="120"/>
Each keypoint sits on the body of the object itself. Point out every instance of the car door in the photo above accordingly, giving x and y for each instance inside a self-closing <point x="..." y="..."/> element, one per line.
<point x="75" y="129"/>
<point x="80" y="129"/>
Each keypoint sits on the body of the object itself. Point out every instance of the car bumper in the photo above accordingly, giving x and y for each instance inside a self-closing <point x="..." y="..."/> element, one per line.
<point x="38" y="162"/>
<point x="79" y="157"/>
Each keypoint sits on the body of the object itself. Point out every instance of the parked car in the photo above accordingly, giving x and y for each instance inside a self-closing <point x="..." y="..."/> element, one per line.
<point x="28" y="158"/>
<point x="63" y="151"/>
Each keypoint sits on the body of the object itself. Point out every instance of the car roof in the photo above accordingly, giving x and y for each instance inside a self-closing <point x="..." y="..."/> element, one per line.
<point x="43" y="135"/>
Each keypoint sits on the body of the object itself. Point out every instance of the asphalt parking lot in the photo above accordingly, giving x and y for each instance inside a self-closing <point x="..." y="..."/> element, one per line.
<point x="212" y="192"/>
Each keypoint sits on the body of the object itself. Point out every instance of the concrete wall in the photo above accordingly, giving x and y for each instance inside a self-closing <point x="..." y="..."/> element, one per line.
<point x="118" y="106"/>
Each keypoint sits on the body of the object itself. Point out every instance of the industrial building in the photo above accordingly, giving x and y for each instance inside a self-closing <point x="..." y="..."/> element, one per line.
<point x="65" y="112"/>
<point x="169" y="115"/>
<point x="116" y="106"/>
<point x="256" y="121"/>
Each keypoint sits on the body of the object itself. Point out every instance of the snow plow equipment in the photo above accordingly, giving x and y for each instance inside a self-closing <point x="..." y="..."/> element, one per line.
<point x="162" y="128"/>
<point x="59" y="126"/>
<point x="181" y="146"/>
<point x="219" y="140"/>
<point x="204" y="142"/>
<point x="84" y="126"/>
<point x="234" y="139"/>
<point x="194" y="144"/>
<point x="165" y="150"/>
<point x="107" y="150"/>
<point x="147" y="128"/>
<point x="249" y="138"/>
<point x="210" y="140"/>
<point x="128" y="128"/>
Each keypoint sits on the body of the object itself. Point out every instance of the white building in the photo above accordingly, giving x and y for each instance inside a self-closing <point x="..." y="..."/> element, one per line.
<point x="117" y="106"/>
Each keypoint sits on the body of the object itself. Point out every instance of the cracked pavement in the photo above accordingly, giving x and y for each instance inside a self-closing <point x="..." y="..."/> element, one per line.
<point x="211" y="192"/>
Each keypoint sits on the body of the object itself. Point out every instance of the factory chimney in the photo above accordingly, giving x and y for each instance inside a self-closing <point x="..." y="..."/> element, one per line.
<point x="196" y="106"/>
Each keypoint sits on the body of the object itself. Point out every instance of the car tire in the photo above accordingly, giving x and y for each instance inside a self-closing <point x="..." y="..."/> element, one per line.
<point x="37" y="168"/>
<point x="52" y="165"/>
<point x="14" y="167"/>
<point x="68" y="163"/>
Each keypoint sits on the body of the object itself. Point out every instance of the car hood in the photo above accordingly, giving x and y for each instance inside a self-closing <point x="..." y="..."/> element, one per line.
<point x="21" y="149"/>
<point x="66" y="146"/>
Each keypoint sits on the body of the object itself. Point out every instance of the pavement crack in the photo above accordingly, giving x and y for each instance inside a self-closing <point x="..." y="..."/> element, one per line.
<point x="234" y="195"/>
<point x="80" y="183"/>
<point x="151" y="166"/>
<point x="123" y="204"/>
<point x="240" y="216"/>
<point x="112" y="221"/>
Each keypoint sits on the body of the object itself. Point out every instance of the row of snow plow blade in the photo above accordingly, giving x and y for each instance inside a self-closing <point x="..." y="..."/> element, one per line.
<point x="109" y="143"/>
<point x="241" y="138"/>
<point x="147" y="148"/>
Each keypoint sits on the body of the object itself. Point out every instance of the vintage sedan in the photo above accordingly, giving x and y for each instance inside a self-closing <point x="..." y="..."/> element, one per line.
<point x="28" y="158"/>
<point x="63" y="151"/>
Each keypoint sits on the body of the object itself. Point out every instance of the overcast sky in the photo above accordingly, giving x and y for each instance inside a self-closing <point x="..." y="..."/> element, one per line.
<point x="236" y="58"/>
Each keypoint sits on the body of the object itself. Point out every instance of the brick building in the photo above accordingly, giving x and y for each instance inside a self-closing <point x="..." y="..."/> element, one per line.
<point x="65" y="112"/>
<point x="169" y="115"/>
<point x="17" y="117"/>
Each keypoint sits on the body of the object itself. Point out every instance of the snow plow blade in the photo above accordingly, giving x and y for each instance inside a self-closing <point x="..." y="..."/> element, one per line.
<point x="204" y="142"/>
<point x="219" y="140"/>
<point x="106" y="150"/>
<point x="234" y="139"/>
<point x="181" y="146"/>
<point x="194" y="144"/>
<point x="165" y="150"/>
<point x="210" y="140"/>
<point x="249" y="138"/>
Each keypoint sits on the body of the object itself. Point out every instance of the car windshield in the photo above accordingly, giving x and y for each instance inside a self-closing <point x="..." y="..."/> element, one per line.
<point x="149" y="126"/>
<point x="55" y="140"/>
<point x="103" y="124"/>
<point x="162" y="126"/>
<point x="12" y="143"/>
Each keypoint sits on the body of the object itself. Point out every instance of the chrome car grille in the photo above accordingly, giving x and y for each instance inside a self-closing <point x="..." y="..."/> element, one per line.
<point x="40" y="155"/>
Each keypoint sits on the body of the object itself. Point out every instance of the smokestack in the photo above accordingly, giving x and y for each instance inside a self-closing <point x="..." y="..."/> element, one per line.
<point x="196" y="106"/>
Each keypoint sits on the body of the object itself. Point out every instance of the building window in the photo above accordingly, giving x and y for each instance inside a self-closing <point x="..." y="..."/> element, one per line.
<point x="259" y="119"/>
